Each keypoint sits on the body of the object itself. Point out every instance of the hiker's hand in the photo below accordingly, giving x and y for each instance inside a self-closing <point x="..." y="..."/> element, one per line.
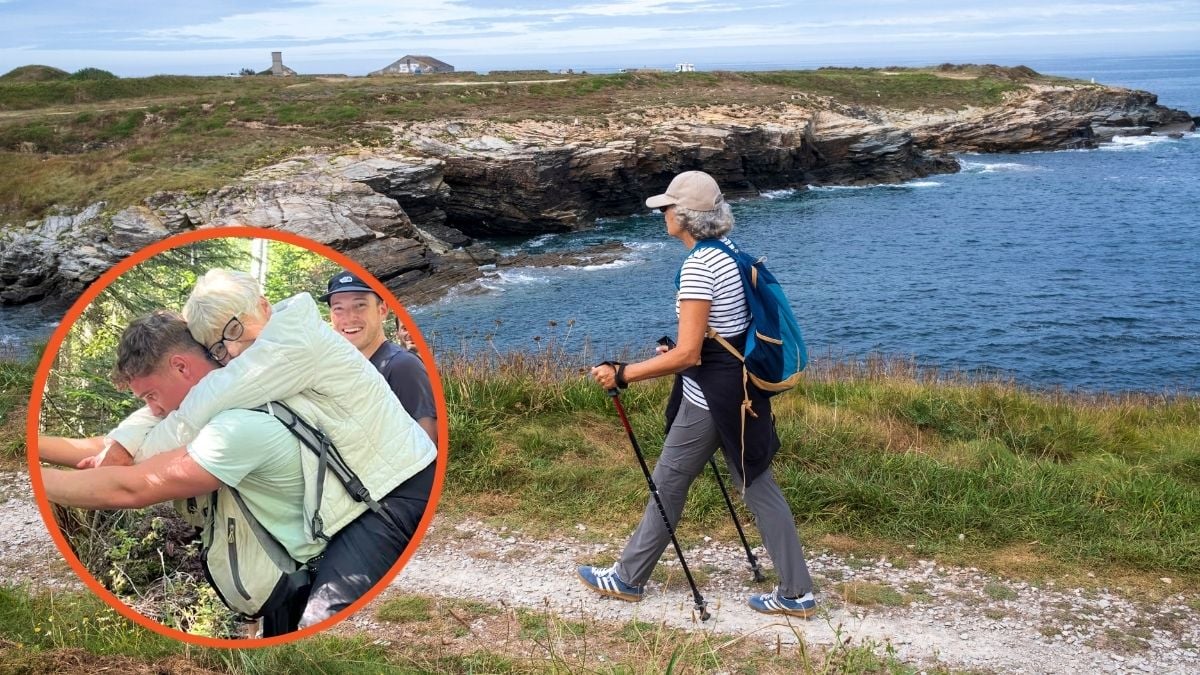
<point x="113" y="454"/>
<point x="661" y="349"/>
<point x="605" y="376"/>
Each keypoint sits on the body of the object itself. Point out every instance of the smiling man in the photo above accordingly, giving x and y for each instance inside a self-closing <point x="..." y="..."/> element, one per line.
<point x="357" y="314"/>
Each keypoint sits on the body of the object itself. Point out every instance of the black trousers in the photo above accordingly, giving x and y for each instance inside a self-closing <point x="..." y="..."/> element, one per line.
<point x="357" y="557"/>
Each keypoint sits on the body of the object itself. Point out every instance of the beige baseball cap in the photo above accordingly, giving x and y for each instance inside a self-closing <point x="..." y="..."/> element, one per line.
<point x="693" y="190"/>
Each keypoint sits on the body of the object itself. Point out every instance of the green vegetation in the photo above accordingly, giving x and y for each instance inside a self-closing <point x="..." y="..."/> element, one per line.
<point x="75" y="632"/>
<point x="34" y="73"/>
<point x="894" y="459"/>
<point x="868" y="593"/>
<point x="55" y="633"/>
<point x="16" y="381"/>
<point x="71" y="140"/>
<point x="404" y="609"/>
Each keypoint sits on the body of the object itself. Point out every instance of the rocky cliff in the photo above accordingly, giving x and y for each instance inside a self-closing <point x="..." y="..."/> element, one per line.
<point x="409" y="212"/>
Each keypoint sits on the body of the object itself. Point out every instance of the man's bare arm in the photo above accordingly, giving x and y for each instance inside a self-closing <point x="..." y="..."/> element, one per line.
<point x="170" y="475"/>
<point x="68" y="451"/>
<point x="430" y="426"/>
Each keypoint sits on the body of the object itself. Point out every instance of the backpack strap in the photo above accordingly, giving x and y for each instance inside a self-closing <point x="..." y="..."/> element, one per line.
<point x="749" y="276"/>
<point x="273" y="548"/>
<point x="328" y="458"/>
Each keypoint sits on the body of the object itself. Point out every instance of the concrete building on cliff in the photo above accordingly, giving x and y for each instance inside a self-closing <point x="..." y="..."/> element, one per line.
<point x="277" y="68"/>
<point x="414" y="65"/>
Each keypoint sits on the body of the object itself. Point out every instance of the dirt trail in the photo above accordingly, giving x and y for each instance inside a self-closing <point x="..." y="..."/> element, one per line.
<point x="956" y="617"/>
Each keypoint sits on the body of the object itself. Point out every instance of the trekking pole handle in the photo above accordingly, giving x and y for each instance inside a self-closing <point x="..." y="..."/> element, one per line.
<point x="619" y="374"/>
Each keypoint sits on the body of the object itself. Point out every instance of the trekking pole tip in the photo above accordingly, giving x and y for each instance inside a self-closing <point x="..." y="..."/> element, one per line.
<point x="704" y="615"/>
<point x="758" y="575"/>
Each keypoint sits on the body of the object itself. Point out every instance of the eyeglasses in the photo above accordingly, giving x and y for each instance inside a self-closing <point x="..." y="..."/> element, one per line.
<point x="233" y="330"/>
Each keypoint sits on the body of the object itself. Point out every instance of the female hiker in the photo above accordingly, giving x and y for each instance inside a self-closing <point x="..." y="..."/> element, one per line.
<point x="705" y="410"/>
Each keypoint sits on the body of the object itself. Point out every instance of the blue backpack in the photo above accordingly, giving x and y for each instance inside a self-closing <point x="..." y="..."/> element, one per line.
<point x="775" y="352"/>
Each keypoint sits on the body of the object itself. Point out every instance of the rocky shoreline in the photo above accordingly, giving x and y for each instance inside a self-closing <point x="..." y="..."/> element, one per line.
<point x="411" y="212"/>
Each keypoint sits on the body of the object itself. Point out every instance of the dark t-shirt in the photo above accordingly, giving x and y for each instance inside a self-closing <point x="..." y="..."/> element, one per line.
<point x="405" y="374"/>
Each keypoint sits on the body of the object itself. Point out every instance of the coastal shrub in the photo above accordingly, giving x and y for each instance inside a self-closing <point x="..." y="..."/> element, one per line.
<point x="16" y="384"/>
<point x="92" y="74"/>
<point x="34" y="73"/>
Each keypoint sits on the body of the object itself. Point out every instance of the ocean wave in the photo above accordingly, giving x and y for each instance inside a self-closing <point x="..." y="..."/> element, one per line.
<point x="611" y="265"/>
<point x="645" y="245"/>
<point x="994" y="167"/>
<point x="778" y="194"/>
<point x="541" y="240"/>
<point x="520" y="276"/>
<point x="873" y="186"/>
<point x="1124" y="143"/>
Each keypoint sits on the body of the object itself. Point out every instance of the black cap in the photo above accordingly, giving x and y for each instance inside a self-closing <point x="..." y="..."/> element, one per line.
<point x="345" y="282"/>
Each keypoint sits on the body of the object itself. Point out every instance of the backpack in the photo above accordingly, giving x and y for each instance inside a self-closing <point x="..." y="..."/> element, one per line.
<point x="774" y="353"/>
<point x="250" y="570"/>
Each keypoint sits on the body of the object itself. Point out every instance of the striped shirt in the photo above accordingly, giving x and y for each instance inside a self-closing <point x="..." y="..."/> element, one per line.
<point x="710" y="274"/>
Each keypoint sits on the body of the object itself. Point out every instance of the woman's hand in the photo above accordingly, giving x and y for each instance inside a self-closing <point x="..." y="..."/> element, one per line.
<point x="605" y="376"/>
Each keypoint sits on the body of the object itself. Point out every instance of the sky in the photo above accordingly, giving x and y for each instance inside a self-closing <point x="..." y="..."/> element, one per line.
<point x="215" y="37"/>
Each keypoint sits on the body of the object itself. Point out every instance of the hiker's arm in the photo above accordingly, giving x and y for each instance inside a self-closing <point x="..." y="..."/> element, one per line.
<point x="68" y="451"/>
<point x="693" y="322"/>
<point x="286" y="358"/>
<point x="129" y="440"/>
<point x="167" y="476"/>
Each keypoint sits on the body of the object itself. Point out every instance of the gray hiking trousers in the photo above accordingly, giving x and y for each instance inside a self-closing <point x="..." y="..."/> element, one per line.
<point x="690" y="442"/>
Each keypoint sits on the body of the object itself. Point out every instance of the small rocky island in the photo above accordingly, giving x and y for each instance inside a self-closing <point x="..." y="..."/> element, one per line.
<point x="410" y="209"/>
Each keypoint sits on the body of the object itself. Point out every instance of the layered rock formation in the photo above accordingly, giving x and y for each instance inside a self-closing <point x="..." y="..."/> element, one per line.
<point x="409" y="213"/>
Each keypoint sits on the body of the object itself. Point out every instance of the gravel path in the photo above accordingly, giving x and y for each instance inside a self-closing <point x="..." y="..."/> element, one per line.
<point x="957" y="617"/>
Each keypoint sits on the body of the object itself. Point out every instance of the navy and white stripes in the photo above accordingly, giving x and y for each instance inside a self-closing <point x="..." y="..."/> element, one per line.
<point x="710" y="274"/>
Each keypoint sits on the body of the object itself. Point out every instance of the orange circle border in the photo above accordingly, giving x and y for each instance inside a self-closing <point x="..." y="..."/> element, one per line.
<point x="51" y="353"/>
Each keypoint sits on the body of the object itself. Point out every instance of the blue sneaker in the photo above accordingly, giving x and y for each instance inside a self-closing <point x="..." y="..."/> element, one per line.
<point x="774" y="603"/>
<point x="604" y="580"/>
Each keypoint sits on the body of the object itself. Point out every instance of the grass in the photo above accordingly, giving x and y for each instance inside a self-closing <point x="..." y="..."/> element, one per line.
<point x="75" y="633"/>
<point x="868" y="594"/>
<point x="70" y="142"/>
<point x="16" y="383"/>
<point x="971" y="469"/>
<point x="405" y="609"/>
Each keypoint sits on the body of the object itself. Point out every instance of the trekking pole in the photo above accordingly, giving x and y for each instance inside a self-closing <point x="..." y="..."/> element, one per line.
<point x="750" y="557"/>
<point x="667" y="342"/>
<point x="700" y="605"/>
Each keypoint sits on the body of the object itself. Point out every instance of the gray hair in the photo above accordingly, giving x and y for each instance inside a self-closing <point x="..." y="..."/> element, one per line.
<point x="217" y="297"/>
<point x="147" y="341"/>
<point x="706" y="224"/>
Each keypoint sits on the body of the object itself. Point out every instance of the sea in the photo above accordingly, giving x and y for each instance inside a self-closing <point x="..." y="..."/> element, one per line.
<point x="1077" y="270"/>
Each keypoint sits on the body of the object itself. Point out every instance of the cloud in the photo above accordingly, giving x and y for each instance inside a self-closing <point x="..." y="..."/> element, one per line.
<point x="351" y="19"/>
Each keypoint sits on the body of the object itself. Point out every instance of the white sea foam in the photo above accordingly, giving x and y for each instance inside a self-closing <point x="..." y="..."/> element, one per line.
<point x="889" y="186"/>
<point x="1124" y="143"/>
<point x="778" y="194"/>
<point x="646" y="245"/>
<point x="519" y="276"/>
<point x="995" y="167"/>
<point x="540" y="241"/>
<point x="611" y="265"/>
<point x="833" y="188"/>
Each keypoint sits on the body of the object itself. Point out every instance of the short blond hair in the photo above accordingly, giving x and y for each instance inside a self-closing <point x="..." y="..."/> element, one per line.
<point x="218" y="296"/>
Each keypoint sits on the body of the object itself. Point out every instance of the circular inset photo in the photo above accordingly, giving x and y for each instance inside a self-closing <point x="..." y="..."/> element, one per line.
<point x="234" y="437"/>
